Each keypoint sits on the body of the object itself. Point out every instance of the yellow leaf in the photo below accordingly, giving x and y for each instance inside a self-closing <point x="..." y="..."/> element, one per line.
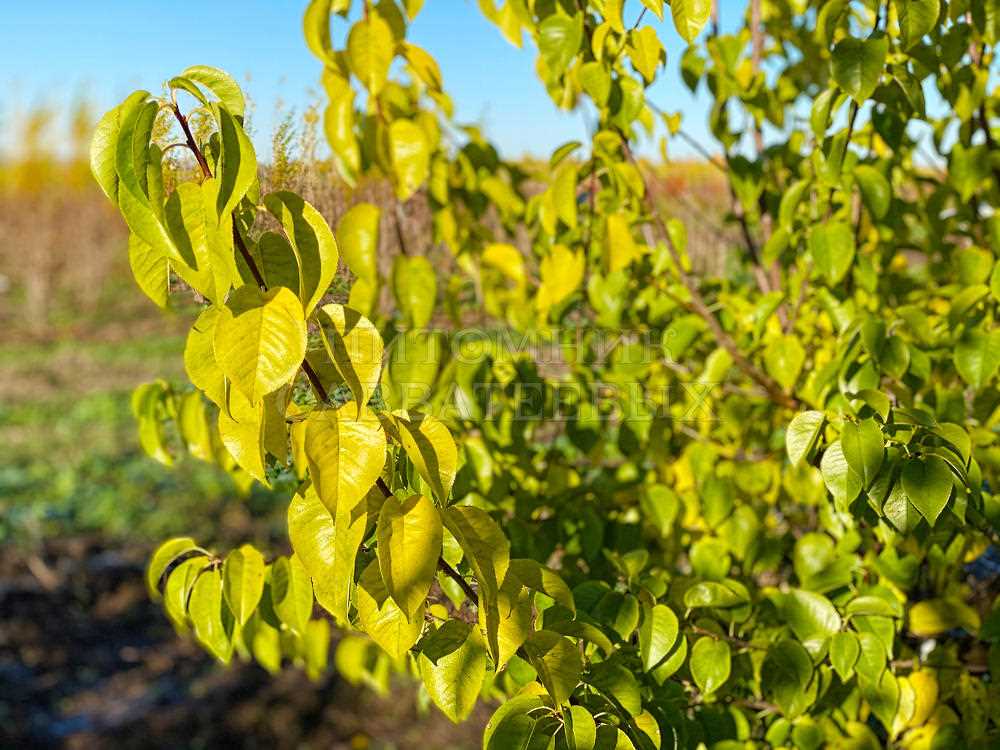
<point x="241" y="427"/>
<point x="381" y="618"/>
<point x="199" y="357"/>
<point x="357" y="235"/>
<point x="562" y="272"/>
<point x="327" y="545"/>
<point x="150" y="269"/>
<point x="370" y="50"/>
<point x="409" y="537"/>
<point x="312" y="242"/>
<point x="414" y="285"/>
<point x="431" y="448"/>
<point x="355" y="346"/>
<point x="621" y="247"/>
<point x="505" y="258"/>
<point x="411" y="154"/>
<point x="564" y="195"/>
<point x="260" y="340"/>
<point x="345" y="449"/>
<point x="932" y="617"/>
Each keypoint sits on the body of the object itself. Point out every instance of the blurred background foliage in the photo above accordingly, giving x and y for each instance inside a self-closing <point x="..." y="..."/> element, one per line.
<point x="85" y="659"/>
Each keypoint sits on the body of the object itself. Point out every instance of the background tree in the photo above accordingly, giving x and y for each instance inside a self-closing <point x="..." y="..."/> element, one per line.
<point x="697" y="508"/>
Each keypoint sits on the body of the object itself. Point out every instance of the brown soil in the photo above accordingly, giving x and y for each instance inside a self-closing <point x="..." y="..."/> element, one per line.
<point x="88" y="661"/>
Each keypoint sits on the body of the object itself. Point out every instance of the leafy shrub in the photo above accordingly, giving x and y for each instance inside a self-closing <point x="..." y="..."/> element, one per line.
<point x="683" y="508"/>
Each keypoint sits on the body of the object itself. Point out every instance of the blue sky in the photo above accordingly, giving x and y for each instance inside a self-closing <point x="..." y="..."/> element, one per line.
<point x="54" y="51"/>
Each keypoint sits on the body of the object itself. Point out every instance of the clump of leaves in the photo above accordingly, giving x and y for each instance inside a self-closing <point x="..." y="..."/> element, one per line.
<point x="681" y="510"/>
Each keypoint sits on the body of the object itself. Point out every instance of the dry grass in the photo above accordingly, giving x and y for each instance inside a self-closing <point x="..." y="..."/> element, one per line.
<point x="63" y="263"/>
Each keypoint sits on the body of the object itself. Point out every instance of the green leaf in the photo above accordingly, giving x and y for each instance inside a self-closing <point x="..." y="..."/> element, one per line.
<point x="557" y="661"/>
<point x="357" y="235"/>
<point x="875" y="189"/>
<point x="917" y="18"/>
<point x="355" y="346"/>
<point x="802" y="435"/>
<point x="380" y="617"/>
<point x="657" y="635"/>
<point x="204" y="243"/>
<point x="414" y="285"/>
<point x="927" y="481"/>
<point x="785" y="676"/>
<point x="151" y="403"/>
<point x="452" y="666"/>
<point x="430" y="448"/>
<point x="370" y="49"/>
<point x="510" y="620"/>
<point x="338" y="125"/>
<point x="840" y="479"/>
<point x="311" y="240"/>
<point x="977" y="356"/>
<point x="212" y="621"/>
<point x="221" y="84"/>
<point x="237" y="169"/>
<point x="690" y="17"/>
<point x="832" y="248"/>
<point x="710" y="664"/>
<point x="277" y="261"/>
<point x="260" y="340"/>
<point x="484" y="543"/>
<point x="618" y="683"/>
<point x="883" y="697"/>
<point x="563" y="191"/>
<point x="414" y="359"/>
<point x="243" y="581"/>
<point x="241" y="428"/>
<point x="178" y="589"/>
<point x="411" y="155"/>
<point x="345" y="449"/>
<point x="811" y="616"/>
<point x="535" y="576"/>
<point x="163" y="558"/>
<point x="712" y="594"/>
<point x="858" y="64"/>
<point x="409" y="537"/>
<point x="581" y="728"/>
<point x="513" y="725"/>
<point x="291" y="593"/>
<point x="132" y="160"/>
<point x="316" y="648"/>
<point x="104" y="145"/>
<point x="844" y="650"/>
<point x="559" y="39"/>
<point x="596" y="81"/>
<point x="150" y="269"/>
<point x="784" y="358"/>
<point x="316" y="29"/>
<point x="199" y="357"/>
<point x="864" y="449"/>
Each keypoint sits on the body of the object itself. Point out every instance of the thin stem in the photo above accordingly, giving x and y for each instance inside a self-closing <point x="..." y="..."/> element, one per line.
<point x="397" y="216"/>
<point x="192" y="144"/>
<point x="457" y="578"/>
<point x="314" y="380"/>
<point x="248" y="259"/>
<point x="238" y="239"/>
